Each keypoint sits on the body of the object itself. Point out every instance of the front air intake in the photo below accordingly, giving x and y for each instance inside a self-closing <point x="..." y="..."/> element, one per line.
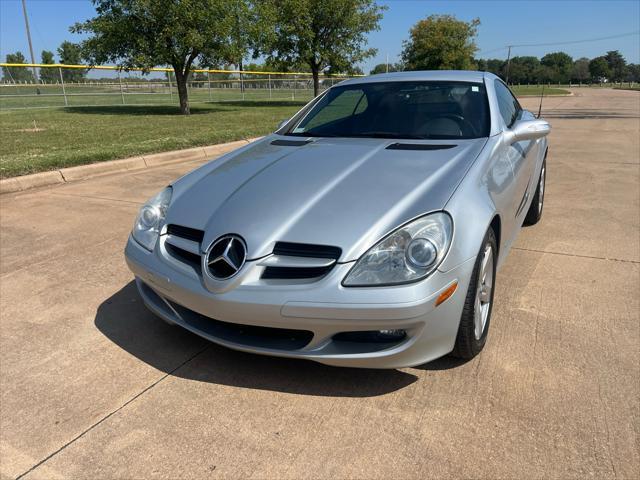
<point x="299" y="261"/>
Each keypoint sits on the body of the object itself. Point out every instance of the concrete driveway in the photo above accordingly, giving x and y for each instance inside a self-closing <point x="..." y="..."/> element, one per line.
<point x="94" y="386"/>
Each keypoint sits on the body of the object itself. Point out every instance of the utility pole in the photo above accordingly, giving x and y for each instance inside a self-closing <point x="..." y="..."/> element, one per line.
<point x="26" y="24"/>
<point x="508" y="63"/>
<point x="387" y="63"/>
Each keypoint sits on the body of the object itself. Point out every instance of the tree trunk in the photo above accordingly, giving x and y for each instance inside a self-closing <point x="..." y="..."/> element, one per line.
<point x="183" y="94"/>
<point x="315" y="71"/>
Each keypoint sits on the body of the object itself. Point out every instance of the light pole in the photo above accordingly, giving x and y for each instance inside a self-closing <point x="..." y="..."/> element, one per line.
<point x="33" y="59"/>
<point x="508" y="64"/>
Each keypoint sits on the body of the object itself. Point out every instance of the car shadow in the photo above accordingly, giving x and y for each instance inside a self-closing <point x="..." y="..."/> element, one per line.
<point x="141" y="110"/>
<point x="125" y="320"/>
<point x="443" y="363"/>
<point x="259" y="103"/>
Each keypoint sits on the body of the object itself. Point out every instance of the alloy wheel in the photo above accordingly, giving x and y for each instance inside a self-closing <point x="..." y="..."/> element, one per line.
<point x="483" y="292"/>
<point x="541" y="188"/>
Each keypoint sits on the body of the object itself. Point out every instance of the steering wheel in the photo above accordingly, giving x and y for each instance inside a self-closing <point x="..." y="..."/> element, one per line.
<point x="465" y="125"/>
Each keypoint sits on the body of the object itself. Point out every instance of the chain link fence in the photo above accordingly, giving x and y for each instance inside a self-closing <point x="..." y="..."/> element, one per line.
<point x="78" y="85"/>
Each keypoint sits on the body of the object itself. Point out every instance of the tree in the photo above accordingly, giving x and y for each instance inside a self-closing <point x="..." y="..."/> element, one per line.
<point x="523" y="69"/>
<point x="599" y="69"/>
<point x="16" y="74"/>
<point x="70" y="54"/>
<point x="382" y="68"/>
<point x="344" y="70"/>
<point x="331" y="34"/>
<point x="580" y="70"/>
<point x="441" y="42"/>
<point x="544" y="74"/>
<point x="560" y="64"/>
<point x="633" y="73"/>
<point x="617" y="65"/>
<point x="493" y="65"/>
<point x="147" y="33"/>
<point x="48" y="75"/>
<point x="241" y="32"/>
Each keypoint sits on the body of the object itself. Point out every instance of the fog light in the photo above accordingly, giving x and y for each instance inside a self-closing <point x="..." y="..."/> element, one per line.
<point x="391" y="335"/>
<point x="371" y="336"/>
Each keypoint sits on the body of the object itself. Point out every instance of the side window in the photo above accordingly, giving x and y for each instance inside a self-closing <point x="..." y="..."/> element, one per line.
<point x="509" y="107"/>
<point x="348" y="103"/>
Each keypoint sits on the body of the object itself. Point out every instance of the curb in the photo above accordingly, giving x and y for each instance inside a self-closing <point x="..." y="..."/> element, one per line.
<point x="82" y="172"/>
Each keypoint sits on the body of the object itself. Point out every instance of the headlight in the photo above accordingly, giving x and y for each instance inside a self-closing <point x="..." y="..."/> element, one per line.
<point x="407" y="255"/>
<point x="150" y="219"/>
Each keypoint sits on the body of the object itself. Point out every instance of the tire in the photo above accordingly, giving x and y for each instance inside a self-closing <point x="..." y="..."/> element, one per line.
<point x="473" y="330"/>
<point x="535" y="209"/>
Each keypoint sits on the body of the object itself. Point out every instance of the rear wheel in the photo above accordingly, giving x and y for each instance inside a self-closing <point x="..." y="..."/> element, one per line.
<point x="476" y="314"/>
<point x="535" y="209"/>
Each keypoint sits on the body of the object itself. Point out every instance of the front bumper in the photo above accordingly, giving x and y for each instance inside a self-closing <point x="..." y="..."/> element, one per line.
<point x="324" y="308"/>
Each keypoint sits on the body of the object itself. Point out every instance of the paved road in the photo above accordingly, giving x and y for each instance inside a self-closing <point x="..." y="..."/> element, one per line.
<point x="93" y="386"/>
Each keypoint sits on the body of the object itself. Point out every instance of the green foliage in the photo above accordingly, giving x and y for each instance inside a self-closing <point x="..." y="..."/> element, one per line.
<point x="148" y="33"/>
<point x="493" y="65"/>
<point x="16" y="74"/>
<point x="441" y="42"/>
<point x="580" y="70"/>
<point x="523" y="69"/>
<point x="48" y="75"/>
<point x="633" y="73"/>
<point x="560" y="65"/>
<point x="382" y="68"/>
<point x="617" y="65"/>
<point x="599" y="69"/>
<point x="242" y="25"/>
<point x="330" y="34"/>
<point x="70" y="54"/>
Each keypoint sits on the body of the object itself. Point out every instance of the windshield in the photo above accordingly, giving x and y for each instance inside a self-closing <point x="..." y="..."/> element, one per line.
<point x="411" y="110"/>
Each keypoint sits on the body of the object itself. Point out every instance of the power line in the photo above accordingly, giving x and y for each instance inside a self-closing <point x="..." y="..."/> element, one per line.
<point x="577" y="41"/>
<point x="484" y="52"/>
<point x="570" y="42"/>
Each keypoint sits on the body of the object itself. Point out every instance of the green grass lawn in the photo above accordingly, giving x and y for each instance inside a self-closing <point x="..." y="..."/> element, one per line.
<point x="537" y="90"/>
<point x="636" y="88"/>
<point x="63" y="137"/>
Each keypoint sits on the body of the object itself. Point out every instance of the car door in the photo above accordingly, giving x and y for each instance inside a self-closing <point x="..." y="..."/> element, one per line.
<point x="520" y="155"/>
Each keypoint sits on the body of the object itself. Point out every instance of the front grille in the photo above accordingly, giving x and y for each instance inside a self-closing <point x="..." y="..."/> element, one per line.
<point x="184" y="256"/>
<point x="190" y="258"/>
<point x="186" y="232"/>
<point x="290" y="273"/>
<point x="297" y="261"/>
<point x="304" y="250"/>
<point x="249" y="335"/>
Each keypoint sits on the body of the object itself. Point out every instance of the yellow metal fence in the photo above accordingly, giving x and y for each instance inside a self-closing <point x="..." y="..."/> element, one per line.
<point x="62" y="86"/>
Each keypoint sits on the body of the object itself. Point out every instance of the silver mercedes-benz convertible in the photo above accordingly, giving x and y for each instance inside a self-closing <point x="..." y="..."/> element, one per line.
<point x="365" y="232"/>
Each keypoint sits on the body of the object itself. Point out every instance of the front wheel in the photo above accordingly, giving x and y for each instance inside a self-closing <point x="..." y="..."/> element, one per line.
<point x="535" y="209"/>
<point x="476" y="314"/>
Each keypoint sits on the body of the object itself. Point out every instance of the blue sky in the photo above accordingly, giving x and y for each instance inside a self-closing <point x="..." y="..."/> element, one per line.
<point x="502" y="23"/>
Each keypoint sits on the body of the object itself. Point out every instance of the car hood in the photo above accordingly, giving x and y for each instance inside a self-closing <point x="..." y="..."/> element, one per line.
<point x="331" y="191"/>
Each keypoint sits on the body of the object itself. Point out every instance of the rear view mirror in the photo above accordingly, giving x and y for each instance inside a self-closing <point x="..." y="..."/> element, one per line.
<point x="529" y="130"/>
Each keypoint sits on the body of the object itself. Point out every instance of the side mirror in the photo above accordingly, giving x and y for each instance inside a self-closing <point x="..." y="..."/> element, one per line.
<point x="528" y="130"/>
<point x="282" y="123"/>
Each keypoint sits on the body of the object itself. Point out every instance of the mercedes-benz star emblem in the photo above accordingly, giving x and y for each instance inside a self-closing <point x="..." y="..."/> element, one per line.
<point x="226" y="257"/>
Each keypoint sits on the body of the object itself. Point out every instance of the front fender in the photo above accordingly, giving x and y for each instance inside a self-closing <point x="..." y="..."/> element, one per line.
<point x="471" y="220"/>
<point x="480" y="197"/>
